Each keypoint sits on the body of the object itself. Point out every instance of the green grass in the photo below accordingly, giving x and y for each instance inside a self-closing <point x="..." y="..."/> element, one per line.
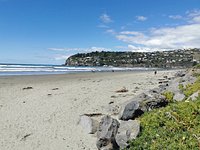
<point x="169" y="96"/>
<point x="176" y="126"/>
<point x="190" y="88"/>
<point x="197" y="66"/>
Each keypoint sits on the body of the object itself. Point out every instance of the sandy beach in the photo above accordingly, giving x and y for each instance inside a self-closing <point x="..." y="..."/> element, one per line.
<point x="45" y="115"/>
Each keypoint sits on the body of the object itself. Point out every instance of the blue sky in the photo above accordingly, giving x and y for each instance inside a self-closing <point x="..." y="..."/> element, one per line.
<point x="49" y="31"/>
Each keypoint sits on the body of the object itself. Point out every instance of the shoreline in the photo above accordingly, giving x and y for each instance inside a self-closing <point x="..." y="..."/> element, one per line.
<point x="33" y="69"/>
<point x="86" y="72"/>
<point x="47" y="113"/>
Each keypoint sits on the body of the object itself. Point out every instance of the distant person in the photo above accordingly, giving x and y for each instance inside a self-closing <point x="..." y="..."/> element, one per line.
<point x="155" y="72"/>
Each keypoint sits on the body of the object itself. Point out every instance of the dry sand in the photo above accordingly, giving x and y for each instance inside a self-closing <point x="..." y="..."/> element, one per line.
<point x="45" y="117"/>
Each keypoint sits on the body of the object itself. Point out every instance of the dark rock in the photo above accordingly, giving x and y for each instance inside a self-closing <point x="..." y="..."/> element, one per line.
<point x="106" y="133"/>
<point x="144" y="102"/>
<point x="93" y="114"/>
<point x="111" y="102"/>
<point x="152" y="103"/>
<point x="25" y="137"/>
<point x="130" y="111"/>
<point x="128" y="130"/>
<point x="155" y="91"/>
<point x="169" y="78"/>
<point x="113" y="96"/>
<point x="123" y="90"/>
<point x="165" y="77"/>
<point x="180" y="74"/>
<point x="137" y="88"/>
<point x="28" y="88"/>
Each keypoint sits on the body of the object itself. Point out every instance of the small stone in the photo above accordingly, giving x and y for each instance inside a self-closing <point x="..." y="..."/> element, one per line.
<point x="113" y="96"/>
<point x="111" y="102"/>
<point x="193" y="96"/>
<point x="178" y="96"/>
<point x="28" y="88"/>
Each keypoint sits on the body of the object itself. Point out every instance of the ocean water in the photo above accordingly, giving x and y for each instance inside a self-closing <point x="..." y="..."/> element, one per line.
<point x="37" y="69"/>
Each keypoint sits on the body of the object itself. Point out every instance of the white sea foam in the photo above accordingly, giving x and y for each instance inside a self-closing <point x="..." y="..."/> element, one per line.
<point x="20" y="69"/>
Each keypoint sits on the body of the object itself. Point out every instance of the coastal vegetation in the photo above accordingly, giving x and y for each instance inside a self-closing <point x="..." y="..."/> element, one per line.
<point x="173" y="127"/>
<point x="161" y="59"/>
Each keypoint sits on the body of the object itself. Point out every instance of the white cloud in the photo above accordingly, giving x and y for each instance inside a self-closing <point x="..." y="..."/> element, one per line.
<point x="196" y="19"/>
<point x="176" y="17"/>
<point x="62" y="57"/>
<point x="111" y="31"/>
<point x="133" y="37"/>
<point x="131" y="33"/>
<point x="57" y="49"/>
<point x="90" y="49"/>
<point x="103" y="26"/>
<point x="66" y="49"/>
<point x="193" y="16"/>
<point x="185" y="36"/>
<point x="105" y="18"/>
<point x="193" y="13"/>
<point x="141" y="18"/>
<point x="140" y="49"/>
<point x="164" y="38"/>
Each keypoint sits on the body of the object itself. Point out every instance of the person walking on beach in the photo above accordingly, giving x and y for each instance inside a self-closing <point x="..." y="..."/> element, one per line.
<point x="155" y="72"/>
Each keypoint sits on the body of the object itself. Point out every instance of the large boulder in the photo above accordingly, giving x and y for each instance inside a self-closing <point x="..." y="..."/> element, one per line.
<point x="156" y="101"/>
<point x="130" y="111"/>
<point x="140" y="104"/>
<point x="88" y="124"/>
<point x="106" y="133"/>
<point x="128" y="130"/>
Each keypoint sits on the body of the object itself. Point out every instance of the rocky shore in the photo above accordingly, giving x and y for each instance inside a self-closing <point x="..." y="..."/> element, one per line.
<point x="114" y="131"/>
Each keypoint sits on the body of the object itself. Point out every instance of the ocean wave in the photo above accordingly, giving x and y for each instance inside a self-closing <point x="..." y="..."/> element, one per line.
<point x="46" y="69"/>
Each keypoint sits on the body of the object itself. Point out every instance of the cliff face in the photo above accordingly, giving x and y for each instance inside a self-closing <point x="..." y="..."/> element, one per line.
<point x="166" y="59"/>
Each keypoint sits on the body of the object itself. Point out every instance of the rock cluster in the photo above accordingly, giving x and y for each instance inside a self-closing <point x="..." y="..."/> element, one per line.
<point x="113" y="134"/>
